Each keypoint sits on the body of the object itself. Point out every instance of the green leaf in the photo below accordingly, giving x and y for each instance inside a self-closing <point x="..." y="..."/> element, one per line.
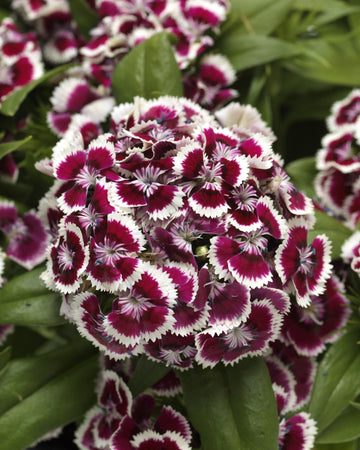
<point x="232" y="407"/>
<point x="4" y="13"/>
<point x="4" y="357"/>
<point x="12" y="102"/>
<point x="23" y="376"/>
<point x="335" y="230"/>
<point x="344" y="428"/>
<point x="149" y="70"/>
<point x="25" y="300"/>
<point x="342" y="446"/>
<point x="302" y="173"/>
<point x="256" y="17"/>
<point x="337" y="380"/>
<point x="85" y="17"/>
<point x="146" y="374"/>
<point x="245" y="51"/>
<point x="61" y="401"/>
<point x="8" y="147"/>
<point x="330" y="62"/>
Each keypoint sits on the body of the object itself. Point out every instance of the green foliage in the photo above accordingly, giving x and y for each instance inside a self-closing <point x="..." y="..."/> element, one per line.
<point x="302" y="172"/>
<point x="40" y="394"/>
<point x="4" y="357"/>
<point x="343" y="429"/>
<point x="232" y="407"/>
<point x="335" y="230"/>
<point x="8" y="147"/>
<point x="12" y="102"/>
<point x="84" y="16"/>
<point x="149" y="70"/>
<point x="146" y="374"/>
<point x="245" y="51"/>
<point x="337" y="380"/>
<point x="25" y="300"/>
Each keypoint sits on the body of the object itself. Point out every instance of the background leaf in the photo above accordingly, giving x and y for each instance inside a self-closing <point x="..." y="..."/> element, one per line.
<point x="8" y="147"/>
<point x="344" y="428"/>
<point x="245" y="51"/>
<point x="4" y="357"/>
<point x="62" y="400"/>
<point x="302" y="172"/>
<point x="337" y="380"/>
<point x="232" y="407"/>
<point x="335" y="230"/>
<point x="328" y="61"/>
<point x="85" y="17"/>
<point x="146" y="374"/>
<point x="149" y="70"/>
<point x="25" y="300"/>
<point x="23" y="376"/>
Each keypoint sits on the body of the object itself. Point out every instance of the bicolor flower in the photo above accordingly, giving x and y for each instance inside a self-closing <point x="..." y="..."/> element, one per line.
<point x="114" y="249"/>
<point x="20" y="58"/>
<point x="26" y="236"/>
<point x="298" y="432"/>
<point x="67" y="261"/>
<point x="82" y="167"/>
<point x="309" y="329"/>
<point x="303" y="268"/>
<point x="250" y="338"/>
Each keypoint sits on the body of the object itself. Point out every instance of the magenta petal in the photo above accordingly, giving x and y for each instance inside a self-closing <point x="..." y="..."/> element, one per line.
<point x="230" y="302"/>
<point x="8" y="215"/>
<point x="171" y="420"/>
<point x="208" y="201"/>
<point x="28" y="246"/>
<point x="250" y="269"/>
<point x="71" y="165"/>
<point x="74" y="199"/>
<point x="127" y="193"/>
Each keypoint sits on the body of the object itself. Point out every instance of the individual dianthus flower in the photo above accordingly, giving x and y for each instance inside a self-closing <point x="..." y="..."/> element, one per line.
<point x="26" y="236"/>
<point x="20" y="58"/>
<point x="298" y="432"/>
<point x="176" y="237"/>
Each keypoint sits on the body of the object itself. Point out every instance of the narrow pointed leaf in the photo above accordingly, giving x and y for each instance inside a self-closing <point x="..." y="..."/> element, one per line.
<point x="85" y="17"/>
<point x="245" y="51"/>
<point x="57" y="403"/>
<point x="8" y="147"/>
<point x="337" y="380"/>
<point x="13" y="101"/>
<point x="23" y="376"/>
<point x="146" y="374"/>
<point x="232" y="407"/>
<point x="149" y="70"/>
<point x="344" y="428"/>
<point x="327" y="61"/>
<point x="5" y="356"/>
<point x="25" y="300"/>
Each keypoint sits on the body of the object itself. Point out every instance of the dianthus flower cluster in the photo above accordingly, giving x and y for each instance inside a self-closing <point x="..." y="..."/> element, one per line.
<point x="84" y="99"/>
<point x="337" y="183"/>
<point x="20" y="58"/>
<point x="120" y="422"/>
<point x="179" y="235"/>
